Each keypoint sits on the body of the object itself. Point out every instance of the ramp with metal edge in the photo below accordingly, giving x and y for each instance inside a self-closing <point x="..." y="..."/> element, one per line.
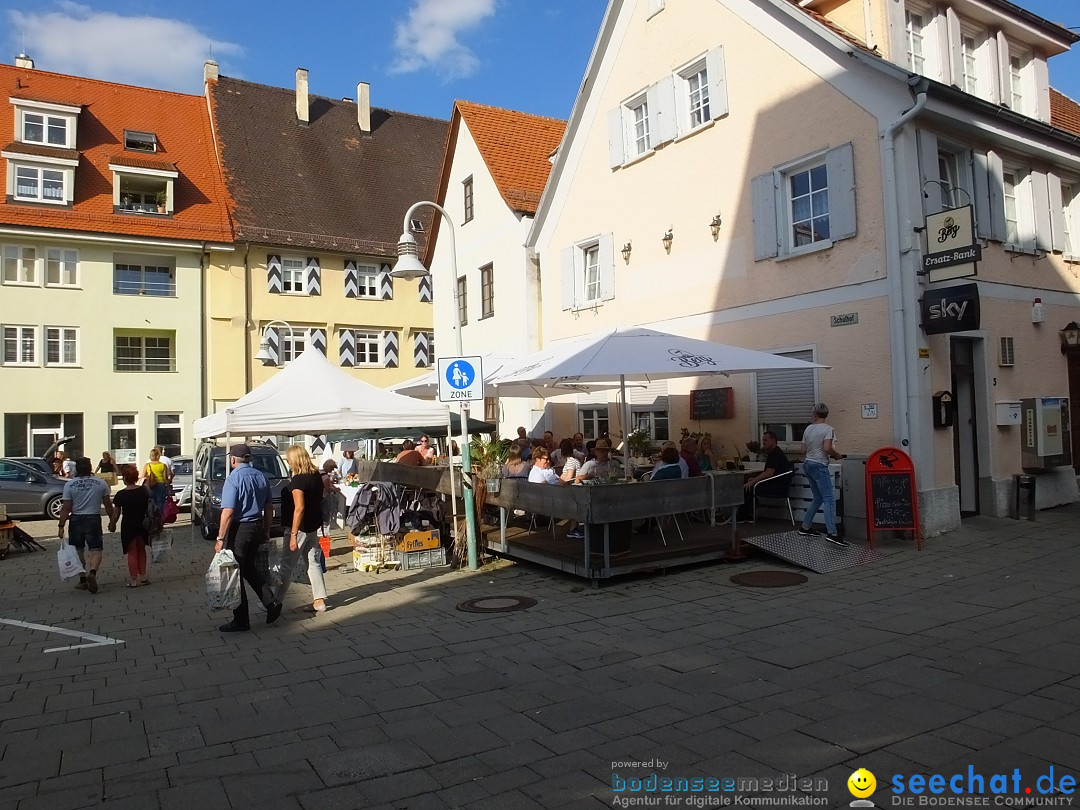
<point x="815" y="553"/>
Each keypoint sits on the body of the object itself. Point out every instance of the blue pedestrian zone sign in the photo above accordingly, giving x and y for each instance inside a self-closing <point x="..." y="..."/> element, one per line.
<point x="461" y="379"/>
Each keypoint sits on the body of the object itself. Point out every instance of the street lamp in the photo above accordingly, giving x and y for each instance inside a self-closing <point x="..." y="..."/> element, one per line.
<point x="264" y="355"/>
<point x="408" y="266"/>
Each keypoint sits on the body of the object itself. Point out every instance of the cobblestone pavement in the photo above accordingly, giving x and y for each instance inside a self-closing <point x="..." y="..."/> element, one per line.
<point x="962" y="655"/>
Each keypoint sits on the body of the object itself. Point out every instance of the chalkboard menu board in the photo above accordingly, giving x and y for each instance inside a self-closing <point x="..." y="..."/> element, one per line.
<point x="712" y="403"/>
<point x="891" y="496"/>
<point x="893" y="500"/>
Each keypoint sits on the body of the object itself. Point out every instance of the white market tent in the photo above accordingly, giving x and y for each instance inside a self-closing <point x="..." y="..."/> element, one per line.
<point x="311" y="395"/>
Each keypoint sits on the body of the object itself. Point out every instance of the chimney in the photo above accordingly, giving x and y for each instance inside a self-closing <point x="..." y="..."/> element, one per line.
<point x="301" y="95"/>
<point x="363" y="107"/>
<point x="209" y="71"/>
<point x="24" y="61"/>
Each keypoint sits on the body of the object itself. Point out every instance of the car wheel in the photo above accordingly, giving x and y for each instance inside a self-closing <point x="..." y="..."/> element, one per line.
<point x="53" y="507"/>
<point x="208" y="532"/>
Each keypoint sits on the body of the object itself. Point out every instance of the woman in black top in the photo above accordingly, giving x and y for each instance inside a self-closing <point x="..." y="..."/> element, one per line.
<point x="106" y="468"/>
<point x="301" y="519"/>
<point x="131" y="502"/>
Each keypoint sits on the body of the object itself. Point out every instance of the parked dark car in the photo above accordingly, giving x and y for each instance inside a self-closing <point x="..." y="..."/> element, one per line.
<point x="39" y="464"/>
<point x="209" y="473"/>
<point x="29" y="493"/>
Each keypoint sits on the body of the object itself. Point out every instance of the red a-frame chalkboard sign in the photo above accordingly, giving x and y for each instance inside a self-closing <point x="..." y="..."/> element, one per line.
<point x="891" y="497"/>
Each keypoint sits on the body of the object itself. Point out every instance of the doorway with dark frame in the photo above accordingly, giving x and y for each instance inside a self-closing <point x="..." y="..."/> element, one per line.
<point x="965" y="425"/>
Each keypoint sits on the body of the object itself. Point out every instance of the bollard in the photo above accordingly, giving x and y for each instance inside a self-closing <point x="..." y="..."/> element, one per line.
<point x="1023" y="497"/>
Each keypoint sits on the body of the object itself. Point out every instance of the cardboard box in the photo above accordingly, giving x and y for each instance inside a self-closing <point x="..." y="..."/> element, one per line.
<point x="420" y="541"/>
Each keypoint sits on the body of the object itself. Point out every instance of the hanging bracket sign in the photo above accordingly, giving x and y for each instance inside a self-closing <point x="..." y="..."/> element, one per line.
<point x="952" y="251"/>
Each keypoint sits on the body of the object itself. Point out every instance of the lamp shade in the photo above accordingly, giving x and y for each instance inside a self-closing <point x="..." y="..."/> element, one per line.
<point x="408" y="264"/>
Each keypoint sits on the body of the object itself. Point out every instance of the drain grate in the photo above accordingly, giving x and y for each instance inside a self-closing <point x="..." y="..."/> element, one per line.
<point x="768" y="579"/>
<point x="496" y="604"/>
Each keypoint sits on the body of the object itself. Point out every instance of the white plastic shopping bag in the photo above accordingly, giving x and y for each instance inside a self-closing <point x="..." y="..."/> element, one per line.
<point x="67" y="558"/>
<point x="160" y="548"/>
<point x="223" y="582"/>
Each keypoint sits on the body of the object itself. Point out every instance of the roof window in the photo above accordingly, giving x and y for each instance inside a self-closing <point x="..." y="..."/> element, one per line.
<point x="140" y="141"/>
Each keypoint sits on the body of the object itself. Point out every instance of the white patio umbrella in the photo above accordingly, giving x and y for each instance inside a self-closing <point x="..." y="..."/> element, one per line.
<point x="636" y="354"/>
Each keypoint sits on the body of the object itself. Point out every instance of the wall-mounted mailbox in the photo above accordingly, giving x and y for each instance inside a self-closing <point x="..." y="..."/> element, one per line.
<point x="944" y="409"/>
<point x="1008" y="412"/>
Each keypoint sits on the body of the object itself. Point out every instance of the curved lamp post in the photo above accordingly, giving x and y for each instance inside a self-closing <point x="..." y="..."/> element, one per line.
<point x="409" y="267"/>
<point x="264" y="356"/>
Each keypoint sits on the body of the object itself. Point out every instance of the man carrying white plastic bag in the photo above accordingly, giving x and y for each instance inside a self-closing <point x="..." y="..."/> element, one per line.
<point x="67" y="558"/>
<point x="223" y="587"/>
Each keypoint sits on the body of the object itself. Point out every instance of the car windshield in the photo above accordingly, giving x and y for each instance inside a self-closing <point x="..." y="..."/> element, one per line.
<point x="181" y="467"/>
<point x="270" y="464"/>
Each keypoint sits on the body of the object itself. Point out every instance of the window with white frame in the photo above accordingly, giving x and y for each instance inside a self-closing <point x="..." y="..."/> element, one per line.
<point x="954" y="175"/>
<point x="970" y="42"/>
<point x="144" y="352"/>
<point x="292" y="344"/>
<point x="593" y="422"/>
<point x="368" y="277"/>
<point x="61" y="345"/>
<point x="136" y="141"/>
<point x="20" y="264"/>
<point x="588" y="272"/>
<point x="786" y="398"/>
<point x="591" y="277"/>
<point x="914" y="25"/>
<point x="123" y="436"/>
<point x="1018" y="61"/>
<point x="696" y="79"/>
<point x="1010" y="182"/>
<point x="467" y="197"/>
<point x="38" y="184"/>
<point x="292" y="274"/>
<point x="808" y="201"/>
<point x="1070" y="217"/>
<point x="20" y="346"/>
<point x="61" y="268"/>
<point x="654" y="423"/>
<point x="638" y="120"/>
<point x="167" y="433"/>
<point x="149" y="276"/>
<point x="368" y="347"/>
<point x="49" y="130"/>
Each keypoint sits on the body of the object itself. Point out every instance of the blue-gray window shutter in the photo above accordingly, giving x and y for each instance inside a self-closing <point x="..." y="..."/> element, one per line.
<point x="386" y="283"/>
<point x="980" y="173"/>
<point x="569" y="278"/>
<point x="425" y="288"/>
<point x="996" y="179"/>
<point x="1040" y="199"/>
<point x="766" y="236"/>
<point x="422" y="350"/>
<point x="317" y="339"/>
<point x="606" y="257"/>
<point x="840" y="166"/>
<point x="931" y="173"/>
<point x="273" y="274"/>
<point x="1057" y="214"/>
<point x="312" y="276"/>
<point x="352" y="279"/>
<point x="347" y="347"/>
<point x="390" y="349"/>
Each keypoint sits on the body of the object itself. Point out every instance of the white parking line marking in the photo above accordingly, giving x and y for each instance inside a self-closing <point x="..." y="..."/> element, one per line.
<point x="96" y="640"/>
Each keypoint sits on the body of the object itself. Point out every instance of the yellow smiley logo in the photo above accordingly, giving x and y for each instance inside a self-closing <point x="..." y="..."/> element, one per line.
<point x="861" y="783"/>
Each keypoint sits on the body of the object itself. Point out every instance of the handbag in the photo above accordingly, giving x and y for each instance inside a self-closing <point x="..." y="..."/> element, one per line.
<point x="152" y="522"/>
<point x="67" y="558"/>
<point x="159" y="551"/>
<point x="169" y="511"/>
<point x="223" y="582"/>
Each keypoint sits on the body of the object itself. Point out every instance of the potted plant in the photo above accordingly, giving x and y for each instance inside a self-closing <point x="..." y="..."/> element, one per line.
<point x="640" y="443"/>
<point x="127" y="201"/>
<point x="161" y="198"/>
<point x="488" y="458"/>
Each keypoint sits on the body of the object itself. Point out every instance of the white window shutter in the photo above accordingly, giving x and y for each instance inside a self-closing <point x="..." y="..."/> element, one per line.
<point x="1004" y="70"/>
<point x="386" y="283"/>
<point x="1041" y="107"/>
<point x="666" y="126"/>
<point x="616" y="144"/>
<point x="1040" y="201"/>
<point x="569" y="278"/>
<point x="347" y="347"/>
<point x="390" y="349"/>
<point x="606" y="257"/>
<point x="652" y="102"/>
<point x="980" y="173"/>
<point x="928" y="157"/>
<point x="1057" y="214"/>
<point x="274" y="282"/>
<point x="955" y="51"/>
<point x="764" y="198"/>
<point x="317" y="339"/>
<point x="312" y="276"/>
<point x="840" y="164"/>
<point x="714" y="66"/>
<point x="996" y="182"/>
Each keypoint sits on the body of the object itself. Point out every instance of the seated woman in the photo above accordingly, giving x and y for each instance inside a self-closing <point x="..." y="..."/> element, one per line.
<point x="706" y="458"/>
<point x="542" y="473"/>
<point x="669" y="467"/>
<point x="516" y="465"/>
<point x="567" y="458"/>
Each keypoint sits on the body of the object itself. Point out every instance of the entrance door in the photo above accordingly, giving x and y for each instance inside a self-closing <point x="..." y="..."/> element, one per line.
<point x="965" y="426"/>
<point x="1073" y="359"/>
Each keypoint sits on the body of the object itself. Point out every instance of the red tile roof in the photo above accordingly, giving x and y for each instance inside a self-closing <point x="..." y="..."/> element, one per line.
<point x="1064" y="112"/>
<point x="182" y="125"/>
<point x="141" y="162"/>
<point x="516" y="148"/>
<point x="38" y="150"/>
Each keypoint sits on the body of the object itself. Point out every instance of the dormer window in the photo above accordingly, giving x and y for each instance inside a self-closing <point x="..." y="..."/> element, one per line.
<point x="44" y="123"/>
<point x="143" y="185"/>
<point x="136" y="141"/>
<point x="44" y="129"/>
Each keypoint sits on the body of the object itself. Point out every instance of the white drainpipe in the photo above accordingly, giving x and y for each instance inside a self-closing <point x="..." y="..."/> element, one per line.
<point x="902" y="302"/>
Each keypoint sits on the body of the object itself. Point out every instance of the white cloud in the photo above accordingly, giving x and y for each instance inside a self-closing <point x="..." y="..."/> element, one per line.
<point x="428" y="37"/>
<point x="150" y="51"/>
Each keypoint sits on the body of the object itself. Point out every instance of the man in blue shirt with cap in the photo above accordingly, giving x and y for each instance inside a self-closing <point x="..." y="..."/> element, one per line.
<point x="247" y="513"/>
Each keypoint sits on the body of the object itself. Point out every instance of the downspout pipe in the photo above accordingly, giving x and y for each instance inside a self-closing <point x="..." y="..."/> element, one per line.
<point x="902" y="303"/>
<point x="247" y="318"/>
<point x="204" y="265"/>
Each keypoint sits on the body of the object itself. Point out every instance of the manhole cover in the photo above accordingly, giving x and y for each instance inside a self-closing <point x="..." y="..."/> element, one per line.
<point x="768" y="579"/>
<point x="496" y="604"/>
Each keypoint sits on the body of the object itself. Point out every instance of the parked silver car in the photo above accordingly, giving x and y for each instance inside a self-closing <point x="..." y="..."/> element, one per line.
<point x="28" y="493"/>
<point x="182" y="480"/>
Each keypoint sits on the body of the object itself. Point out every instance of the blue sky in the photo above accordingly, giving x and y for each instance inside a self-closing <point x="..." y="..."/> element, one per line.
<point x="417" y="55"/>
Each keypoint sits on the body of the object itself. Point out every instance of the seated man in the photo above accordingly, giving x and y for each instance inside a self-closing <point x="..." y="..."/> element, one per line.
<point x="409" y="455"/>
<point x="689" y="455"/>
<point x="603" y="467"/>
<point x="524" y="442"/>
<point x="669" y="467"/>
<point x="776" y="463"/>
